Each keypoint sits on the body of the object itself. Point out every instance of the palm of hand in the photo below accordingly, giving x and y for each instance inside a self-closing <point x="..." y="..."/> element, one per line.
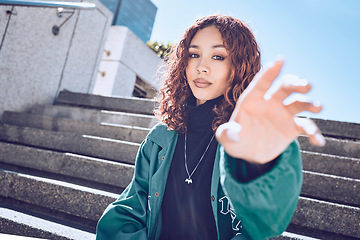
<point x="261" y="126"/>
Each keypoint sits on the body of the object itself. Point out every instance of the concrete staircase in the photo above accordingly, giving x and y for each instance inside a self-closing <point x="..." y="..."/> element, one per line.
<point x="61" y="165"/>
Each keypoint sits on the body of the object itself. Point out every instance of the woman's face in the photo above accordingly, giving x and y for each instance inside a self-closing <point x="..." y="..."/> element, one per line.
<point x="209" y="66"/>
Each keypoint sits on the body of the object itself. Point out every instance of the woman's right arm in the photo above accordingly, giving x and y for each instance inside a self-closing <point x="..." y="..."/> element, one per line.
<point x="126" y="218"/>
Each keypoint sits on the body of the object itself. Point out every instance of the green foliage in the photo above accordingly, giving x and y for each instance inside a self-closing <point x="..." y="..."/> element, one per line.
<point x="160" y="49"/>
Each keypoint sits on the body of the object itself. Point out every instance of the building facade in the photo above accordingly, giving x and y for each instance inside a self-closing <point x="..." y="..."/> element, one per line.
<point x="128" y="67"/>
<point x="137" y="15"/>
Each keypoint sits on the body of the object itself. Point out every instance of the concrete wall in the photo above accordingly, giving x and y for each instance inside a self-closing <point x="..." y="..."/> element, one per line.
<point x="35" y="64"/>
<point x="125" y="57"/>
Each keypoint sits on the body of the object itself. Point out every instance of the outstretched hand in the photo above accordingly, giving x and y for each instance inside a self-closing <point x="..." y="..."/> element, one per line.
<point x="262" y="126"/>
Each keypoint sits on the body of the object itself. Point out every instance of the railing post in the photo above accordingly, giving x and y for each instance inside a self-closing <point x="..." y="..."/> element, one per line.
<point x="52" y="4"/>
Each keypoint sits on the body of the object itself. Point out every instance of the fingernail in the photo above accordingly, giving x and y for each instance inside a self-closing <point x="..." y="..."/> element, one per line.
<point x="279" y="58"/>
<point x="320" y="139"/>
<point x="233" y="129"/>
<point x="316" y="104"/>
<point x="294" y="79"/>
<point x="301" y="82"/>
<point x="310" y="128"/>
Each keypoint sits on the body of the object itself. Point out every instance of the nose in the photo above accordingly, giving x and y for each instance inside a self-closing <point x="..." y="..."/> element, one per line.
<point x="202" y="67"/>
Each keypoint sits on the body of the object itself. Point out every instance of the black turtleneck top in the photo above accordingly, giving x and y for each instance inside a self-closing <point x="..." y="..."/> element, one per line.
<point x="186" y="208"/>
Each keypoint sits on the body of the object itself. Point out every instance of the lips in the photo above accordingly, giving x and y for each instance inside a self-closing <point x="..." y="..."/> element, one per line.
<point x="201" y="83"/>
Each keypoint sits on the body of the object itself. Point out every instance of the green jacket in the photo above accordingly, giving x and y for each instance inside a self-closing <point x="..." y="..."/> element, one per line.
<point x="259" y="209"/>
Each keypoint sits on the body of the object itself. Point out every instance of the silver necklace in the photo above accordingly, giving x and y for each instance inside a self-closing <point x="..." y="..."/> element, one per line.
<point x="189" y="180"/>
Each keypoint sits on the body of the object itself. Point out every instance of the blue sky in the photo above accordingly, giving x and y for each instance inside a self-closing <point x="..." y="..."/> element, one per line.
<point x="319" y="40"/>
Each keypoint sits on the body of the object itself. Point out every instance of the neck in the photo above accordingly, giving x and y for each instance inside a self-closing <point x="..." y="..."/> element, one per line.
<point x="199" y="102"/>
<point x="200" y="113"/>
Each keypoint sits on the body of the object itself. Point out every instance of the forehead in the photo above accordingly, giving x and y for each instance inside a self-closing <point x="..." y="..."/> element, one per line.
<point x="209" y="35"/>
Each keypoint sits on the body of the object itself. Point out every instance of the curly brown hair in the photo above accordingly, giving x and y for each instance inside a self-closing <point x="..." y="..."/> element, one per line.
<point x="245" y="60"/>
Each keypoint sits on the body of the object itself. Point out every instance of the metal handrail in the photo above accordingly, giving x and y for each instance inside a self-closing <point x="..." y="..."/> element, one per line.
<point x="54" y="4"/>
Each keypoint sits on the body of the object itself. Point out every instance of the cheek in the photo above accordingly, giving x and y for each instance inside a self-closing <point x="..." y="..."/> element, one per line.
<point x="224" y="87"/>
<point x="187" y="74"/>
<point x="189" y="70"/>
<point x="226" y="73"/>
<point x="225" y="79"/>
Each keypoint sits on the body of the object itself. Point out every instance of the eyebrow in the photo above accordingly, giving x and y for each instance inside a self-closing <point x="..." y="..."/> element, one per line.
<point x="215" y="46"/>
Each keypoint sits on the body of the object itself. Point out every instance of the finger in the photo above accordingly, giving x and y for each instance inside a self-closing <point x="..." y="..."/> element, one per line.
<point x="309" y="128"/>
<point x="265" y="78"/>
<point x="229" y="130"/>
<point x="291" y="84"/>
<point x="299" y="106"/>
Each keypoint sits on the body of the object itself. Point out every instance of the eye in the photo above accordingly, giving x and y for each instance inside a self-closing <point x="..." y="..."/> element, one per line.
<point x="217" y="57"/>
<point x="193" y="55"/>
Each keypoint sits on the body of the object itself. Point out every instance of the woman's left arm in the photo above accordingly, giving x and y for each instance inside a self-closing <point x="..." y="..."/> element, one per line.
<point x="262" y="128"/>
<point x="264" y="204"/>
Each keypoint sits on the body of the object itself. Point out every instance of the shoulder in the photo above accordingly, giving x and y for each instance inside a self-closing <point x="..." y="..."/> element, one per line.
<point x="161" y="135"/>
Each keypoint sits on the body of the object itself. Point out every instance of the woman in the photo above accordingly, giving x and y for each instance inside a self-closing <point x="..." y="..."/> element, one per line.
<point x="223" y="163"/>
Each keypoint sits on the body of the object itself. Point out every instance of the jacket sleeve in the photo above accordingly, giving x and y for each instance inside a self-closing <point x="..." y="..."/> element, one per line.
<point x="265" y="205"/>
<point x="126" y="218"/>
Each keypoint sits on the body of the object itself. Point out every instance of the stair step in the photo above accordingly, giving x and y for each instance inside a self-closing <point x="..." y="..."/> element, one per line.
<point x="328" y="127"/>
<point x="339" y="147"/>
<point x="95" y="116"/>
<point x="348" y="148"/>
<point x="114" y="131"/>
<point x="292" y="236"/>
<point x="93" y="146"/>
<point x="328" y="217"/>
<point x="15" y="222"/>
<point x="67" y="164"/>
<point x="330" y="164"/>
<point x="121" y="104"/>
<point x="75" y="200"/>
<point x="331" y="188"/>
<point x="338" y="129"/>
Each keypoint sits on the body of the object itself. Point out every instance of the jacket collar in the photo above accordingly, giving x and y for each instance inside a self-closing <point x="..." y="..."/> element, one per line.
<point x="161" y="135"/>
